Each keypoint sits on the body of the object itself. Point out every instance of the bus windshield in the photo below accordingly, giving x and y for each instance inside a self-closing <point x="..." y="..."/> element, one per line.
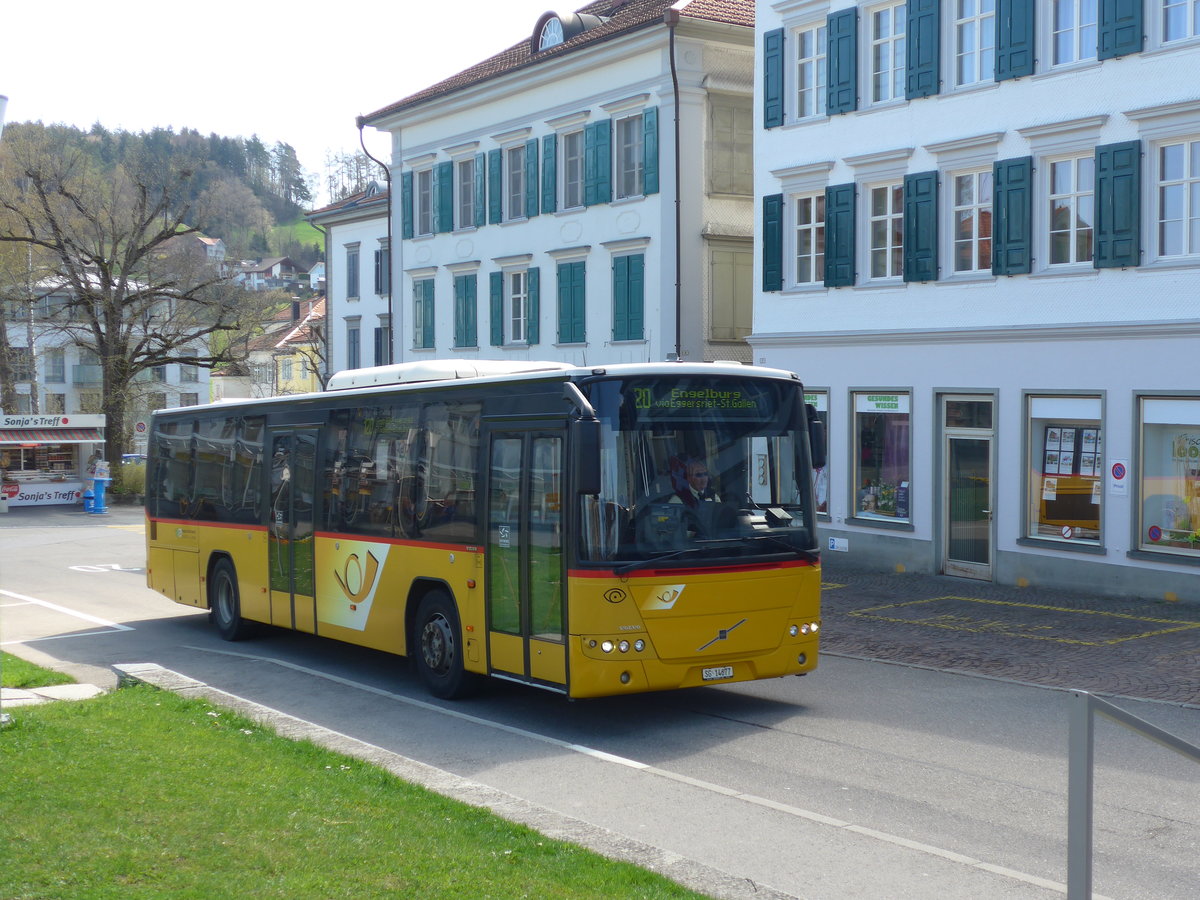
<point x="699" y="467"/>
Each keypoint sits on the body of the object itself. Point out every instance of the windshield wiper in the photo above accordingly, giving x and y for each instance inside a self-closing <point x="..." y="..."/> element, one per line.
<point x="786" y="545"/>
<point x="645" y="563"/>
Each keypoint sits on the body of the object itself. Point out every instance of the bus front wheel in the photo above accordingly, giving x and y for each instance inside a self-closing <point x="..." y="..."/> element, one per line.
<point x="439" y="650"/>
<point x="225" y="603"/>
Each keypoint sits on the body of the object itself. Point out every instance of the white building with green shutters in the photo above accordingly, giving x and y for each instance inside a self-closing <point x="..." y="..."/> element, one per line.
<point x="979" y="246"/>
<point x="583" y="196"/>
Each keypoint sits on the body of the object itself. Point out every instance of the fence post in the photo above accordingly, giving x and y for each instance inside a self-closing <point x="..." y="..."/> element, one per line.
<point x="1080" y="752"/>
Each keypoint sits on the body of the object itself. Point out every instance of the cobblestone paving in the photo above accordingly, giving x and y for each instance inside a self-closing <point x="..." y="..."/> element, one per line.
<point x="1128" y="647"/>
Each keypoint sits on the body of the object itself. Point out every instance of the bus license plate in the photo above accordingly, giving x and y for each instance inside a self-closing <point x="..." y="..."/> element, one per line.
<point x="716" y="673"/>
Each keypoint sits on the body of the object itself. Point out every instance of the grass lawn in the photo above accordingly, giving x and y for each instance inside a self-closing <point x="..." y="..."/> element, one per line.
<point x="142" y="793"/>
<point x="20" y="674"/>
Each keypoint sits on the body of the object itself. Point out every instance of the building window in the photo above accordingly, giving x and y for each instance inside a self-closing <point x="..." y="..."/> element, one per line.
<point x="629" y="297"/>
<point x="1180" y="19"/>
<point x="630" y="159"/>
<point x="156" y="400"/>
<point x="886" y="231"/>
<point x="55" y="362"/>
<point x="288" y="368"/>
<point x="882" y="456"/>
<point x="352" y="272"/>
<point x="731" y="272"/>
<point x="1170" y="475"/>
<point x="383" y="345"/>
<point x="974" y="41"/>
<point x="466" y="306"/>
<point x="353" y="343"/>
<point x="56" y="404"/>
<point x="158" y="374"/>
<point x="572" y="302"/>
<point x="188" y="374"/>
<point x="425" y="201"/>
<point x="973" y="222"/>
<point x="24" y="404"/>
<point x="1179" y="199"/>
<point x="423" y="314"/>
<point x="731" y="148"/>
<point x="383" y="270"/>
<point x="90" y="402"/>
<point x="810" y="72"/>
<point x="464" y="171"/>
<point x="189" y="399"/>
<point x="516" y="306"/>
<point x="21" y="360"/>
<point x="1073" y="31"/>
<point x="810" y="238"/>
<point x="1072" y="183"/>
<point x="819" y="400"/>
<point x="572" y="169"/>
<point x="1066" y="468"/>
<point x="887" y="30"/>
<point x="514" y="161"/>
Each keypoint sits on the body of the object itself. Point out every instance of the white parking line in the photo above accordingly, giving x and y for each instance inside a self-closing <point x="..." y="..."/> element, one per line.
<point x="109" y="627"/>
<point x="799" y="813"/>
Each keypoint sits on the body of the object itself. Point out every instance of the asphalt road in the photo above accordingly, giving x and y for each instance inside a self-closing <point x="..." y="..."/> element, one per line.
<point x="866" y="778"/>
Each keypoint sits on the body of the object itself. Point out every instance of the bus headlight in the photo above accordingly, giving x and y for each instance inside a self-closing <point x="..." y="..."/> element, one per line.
<point x="794" y="630"/>
<point x="639" y="645"/>
<point x="623" y="646"/>
<point x="810" y="627"/>
<point x="606" y="646"/>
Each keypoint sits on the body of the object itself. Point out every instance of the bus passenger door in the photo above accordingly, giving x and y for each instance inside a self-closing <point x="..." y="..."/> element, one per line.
<point x="525" y="580"/>
<point x="290" y="532"/>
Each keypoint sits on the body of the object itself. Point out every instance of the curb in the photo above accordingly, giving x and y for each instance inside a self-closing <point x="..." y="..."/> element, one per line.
<point x="689" y="873"/>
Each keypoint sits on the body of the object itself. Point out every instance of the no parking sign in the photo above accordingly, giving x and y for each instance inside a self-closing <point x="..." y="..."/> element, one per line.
<point x="1118" y="477"/>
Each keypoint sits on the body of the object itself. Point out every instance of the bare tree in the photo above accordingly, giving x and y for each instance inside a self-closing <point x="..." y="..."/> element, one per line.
<point x="131" y="291"/>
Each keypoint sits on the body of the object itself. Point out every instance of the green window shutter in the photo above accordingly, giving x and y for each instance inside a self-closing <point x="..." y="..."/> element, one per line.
<point x="533" y="329"/>
<point x="772" y="250"/>
<point x="480" y="189"/>
<point x="472" y="311"/>
<point x="629" y="292"/>
<point x="549" y="173"/>
<point x="443" y="191"/>
<point x="842" y="62"/>
<point x="406" y="205"/>
<point x="495" y="187"/>
<point x="1015" y="39"/>
<point x="465" y="316"/>
<point x="1121" y="28"/>
<point x="532" y="194"/>
<point x="773" y="78"/>
<point x="496" y="288"/>
<point x="1118" y="192"/>
<point x="650" y="151"/>
<point x="920" y="227"/>
<point x="426" y="301"/>
<point x="922" y="52"/>
<point x="597" y="163"/>
<point x="571" y="302"/>
<point x="1012" y="216"/>
<point x="839" y="235"/>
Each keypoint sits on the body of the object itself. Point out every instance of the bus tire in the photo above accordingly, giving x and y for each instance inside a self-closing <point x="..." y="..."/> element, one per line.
<point x="225" y="603"/>
<point x="439" y="648"/>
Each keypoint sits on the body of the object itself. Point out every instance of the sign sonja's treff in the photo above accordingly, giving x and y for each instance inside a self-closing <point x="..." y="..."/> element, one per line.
<point x="78" y="420"/>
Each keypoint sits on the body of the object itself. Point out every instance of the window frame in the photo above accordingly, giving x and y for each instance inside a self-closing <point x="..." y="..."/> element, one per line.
<point x="1078" y="30"/>
<point x="628" y="156"/>
<point x="894" y="218"/>
<point x="514" y="181"/>
<point x="423" y="201"/>
<point x="516" y="307"/>
<point x="874" y="512"/>
<point x="1191" y="14"/>
<point x="1150" y="535"/>
<point x="571" y="186"/>
<point x="1191" y="187"/>
<point x="464" y="186"/>
<point x="818" y="63"/>
<point x="1080" y="413"/>
<point x="814" y="227"/>
<point x="1078" y="162"/>
<point x="980" y="267"/>
<point x="897" y="44"/>
<point x="983" y="58"/>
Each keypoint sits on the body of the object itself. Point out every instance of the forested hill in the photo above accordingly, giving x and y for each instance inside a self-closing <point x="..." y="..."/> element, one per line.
<point x="244" y="186"/>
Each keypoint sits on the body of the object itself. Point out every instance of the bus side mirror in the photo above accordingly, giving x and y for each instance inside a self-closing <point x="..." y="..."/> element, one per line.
<point x="816" y="437"/>
<point x="583" y="438"/>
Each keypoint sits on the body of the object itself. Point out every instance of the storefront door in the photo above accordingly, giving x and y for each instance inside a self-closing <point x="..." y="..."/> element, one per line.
<point x="967" y="486"/>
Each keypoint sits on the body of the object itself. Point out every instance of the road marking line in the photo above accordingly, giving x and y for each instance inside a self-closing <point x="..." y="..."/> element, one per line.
<point x="96" y="620"/>
<point x="797" y="812"/>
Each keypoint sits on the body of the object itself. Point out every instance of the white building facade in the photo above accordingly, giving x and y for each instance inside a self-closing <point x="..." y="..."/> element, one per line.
<point x="358" y="282"/>
<point x="545" y="208"/>
<point x="979" y="245"/>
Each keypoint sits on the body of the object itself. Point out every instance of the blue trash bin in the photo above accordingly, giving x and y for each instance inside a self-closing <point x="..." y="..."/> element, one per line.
<point x="88" y="500"/>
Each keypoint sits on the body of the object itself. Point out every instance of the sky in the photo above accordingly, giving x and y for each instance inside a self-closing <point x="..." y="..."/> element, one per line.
<point x="299" y="72"/>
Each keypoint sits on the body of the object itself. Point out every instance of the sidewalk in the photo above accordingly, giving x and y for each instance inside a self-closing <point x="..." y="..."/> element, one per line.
<point x="1146" y="649"/>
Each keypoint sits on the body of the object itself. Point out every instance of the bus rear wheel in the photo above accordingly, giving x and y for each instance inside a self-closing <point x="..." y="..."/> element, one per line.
<point x="439" y="649"/>
<point x="225" y="603"/>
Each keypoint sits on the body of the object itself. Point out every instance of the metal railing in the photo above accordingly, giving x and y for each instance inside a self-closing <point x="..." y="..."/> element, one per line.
<point x="1080" y="764"/>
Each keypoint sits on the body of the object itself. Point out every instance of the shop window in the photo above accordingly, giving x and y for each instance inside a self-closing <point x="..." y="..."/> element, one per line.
<point x="1066" y="462"/>
<point x="1169" y="484"/>
<point x="882" y="454"/>
<point x="819" y="400"/>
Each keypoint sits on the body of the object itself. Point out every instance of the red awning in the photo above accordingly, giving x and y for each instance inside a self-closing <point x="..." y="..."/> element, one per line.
<point x="51" y="435"/>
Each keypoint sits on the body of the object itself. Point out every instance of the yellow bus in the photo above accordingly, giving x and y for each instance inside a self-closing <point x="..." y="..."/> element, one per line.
<point x="527" y="521"/>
